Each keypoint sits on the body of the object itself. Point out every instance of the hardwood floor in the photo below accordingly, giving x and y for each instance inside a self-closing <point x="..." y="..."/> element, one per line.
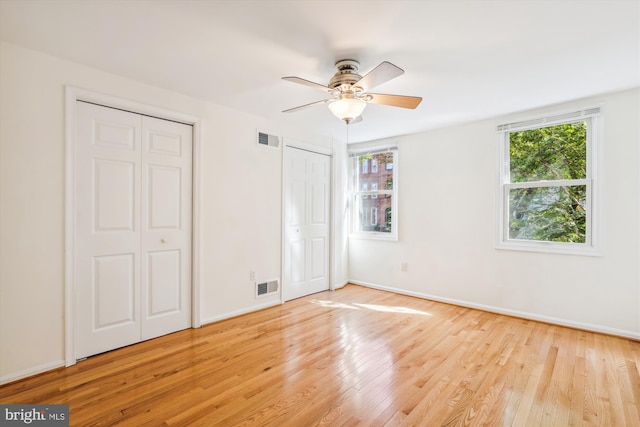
<point x="352" y="357"/>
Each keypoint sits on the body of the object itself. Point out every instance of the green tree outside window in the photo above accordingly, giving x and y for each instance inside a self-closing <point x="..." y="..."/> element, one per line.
<point x="554" y="213"/>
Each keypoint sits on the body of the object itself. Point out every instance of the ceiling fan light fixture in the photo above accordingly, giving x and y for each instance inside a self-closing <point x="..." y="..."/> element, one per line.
<point x="347" y="108"/>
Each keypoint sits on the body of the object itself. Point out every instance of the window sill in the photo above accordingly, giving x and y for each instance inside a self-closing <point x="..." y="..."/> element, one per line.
<point x="372" y="235"/>
<point x="550" y="248"/>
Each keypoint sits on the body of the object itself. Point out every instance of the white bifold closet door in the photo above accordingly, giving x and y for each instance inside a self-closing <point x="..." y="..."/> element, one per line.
<point x="307" y="222"/>
<point x="132" y="225"/>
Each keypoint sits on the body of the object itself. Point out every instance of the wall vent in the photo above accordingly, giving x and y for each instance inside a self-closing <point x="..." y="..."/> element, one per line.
<point x="266" y="288"/>
<point x="268" y="140"/>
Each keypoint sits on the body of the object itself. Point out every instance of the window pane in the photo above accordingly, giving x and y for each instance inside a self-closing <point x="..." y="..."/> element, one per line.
<point x="554" y="214"/>
<point x="374" y="214"/>
<point x="382" y="177"/>
<point x="549" y="153"/>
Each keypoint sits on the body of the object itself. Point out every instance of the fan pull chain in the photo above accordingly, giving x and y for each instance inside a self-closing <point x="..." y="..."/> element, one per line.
<point x="347" y="134"/>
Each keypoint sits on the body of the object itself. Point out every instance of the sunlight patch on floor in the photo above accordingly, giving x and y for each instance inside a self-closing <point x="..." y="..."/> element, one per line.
<point x="375" y="307"/>
<point x="391" y="309"/>
<point x="334" y="304"/>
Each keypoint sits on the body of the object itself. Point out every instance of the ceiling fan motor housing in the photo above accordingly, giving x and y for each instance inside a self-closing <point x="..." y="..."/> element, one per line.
<point x="347" y="74"/>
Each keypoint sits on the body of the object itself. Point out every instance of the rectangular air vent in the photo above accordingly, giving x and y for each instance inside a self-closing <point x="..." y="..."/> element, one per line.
<point x="268" y="140"/>
<point x="266" y="288"/>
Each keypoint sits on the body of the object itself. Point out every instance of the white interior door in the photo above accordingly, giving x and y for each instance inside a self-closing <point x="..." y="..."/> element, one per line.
<point x="166" y="227"/>
<point x="306" y="218"/>
<point x="132" y="226"/>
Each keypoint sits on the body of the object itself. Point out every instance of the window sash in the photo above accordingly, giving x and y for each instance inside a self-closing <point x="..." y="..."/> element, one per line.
<point x="361" y="217"/>
<point x="506" y="224"/>
<point x="506" y="143"/>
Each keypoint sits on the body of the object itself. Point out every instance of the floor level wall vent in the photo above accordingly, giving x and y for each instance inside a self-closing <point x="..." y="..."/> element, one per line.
<point x="267" y="288"/>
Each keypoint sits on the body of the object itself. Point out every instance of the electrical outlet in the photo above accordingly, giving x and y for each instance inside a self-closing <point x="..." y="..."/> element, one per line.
<point x="404" y="266"/>
<point x="252" y="274"/>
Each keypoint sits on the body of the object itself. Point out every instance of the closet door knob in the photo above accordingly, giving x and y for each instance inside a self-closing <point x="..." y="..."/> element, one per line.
<point x="163" y="240"/>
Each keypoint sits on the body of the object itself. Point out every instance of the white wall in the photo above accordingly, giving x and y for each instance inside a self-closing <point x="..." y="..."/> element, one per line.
<point x="447" y="198"/>
<point x="240" y="202"/>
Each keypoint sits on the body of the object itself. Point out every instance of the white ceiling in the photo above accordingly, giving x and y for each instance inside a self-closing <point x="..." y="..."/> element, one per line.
<point x="468" y="59"/>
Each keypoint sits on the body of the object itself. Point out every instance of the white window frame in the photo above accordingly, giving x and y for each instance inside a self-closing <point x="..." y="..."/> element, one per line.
<point x="594" y="135"/>
<point x="357" y="194"/>
<point x="365" y="166"/>
<point x="374" y="187"/>
<point x="374" y="166"/>
<point x="374" y="215"/>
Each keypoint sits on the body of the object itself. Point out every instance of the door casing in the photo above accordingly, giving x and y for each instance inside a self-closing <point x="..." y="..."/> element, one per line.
<point x="72" y="95"/>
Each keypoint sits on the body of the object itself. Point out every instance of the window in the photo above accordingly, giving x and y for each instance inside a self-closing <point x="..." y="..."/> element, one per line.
<point x="547" y="184"/>
<point x="365" y="166"/>
<point x="375" y="216"/>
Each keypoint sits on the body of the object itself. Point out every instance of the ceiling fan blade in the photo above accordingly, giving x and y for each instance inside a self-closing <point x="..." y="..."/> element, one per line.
<point x="395" y="100"/>
<point x="307" y="83"/>
<point x="382" y="73"/>
<point x="301" y="107"/>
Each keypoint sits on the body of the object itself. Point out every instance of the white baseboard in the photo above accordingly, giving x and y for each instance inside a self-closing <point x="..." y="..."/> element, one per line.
<point x="237" y="313"/>
<point x="514" y="313"/>
<point x="31" y="371"/>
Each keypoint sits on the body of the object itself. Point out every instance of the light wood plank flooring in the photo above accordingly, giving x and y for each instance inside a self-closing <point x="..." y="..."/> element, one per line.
<point x="354" y="357"/>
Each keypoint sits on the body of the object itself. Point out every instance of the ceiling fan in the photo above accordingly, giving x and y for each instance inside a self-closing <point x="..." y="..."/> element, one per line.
<point x="350" y="91"/>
